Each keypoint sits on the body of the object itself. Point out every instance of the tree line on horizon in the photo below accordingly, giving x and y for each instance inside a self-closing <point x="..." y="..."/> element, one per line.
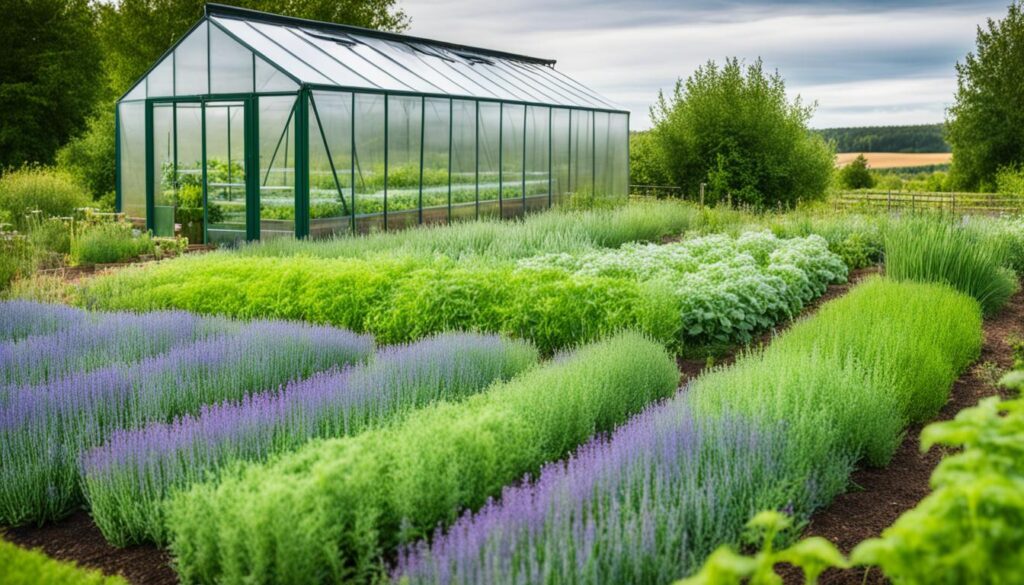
<point x="918" y="138"/>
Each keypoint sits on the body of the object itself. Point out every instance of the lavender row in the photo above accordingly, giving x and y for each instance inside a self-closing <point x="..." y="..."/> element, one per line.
<point x="100" y="340"/>
<point x="661" y="492"/>
<point x="127" y="479"/>
<point x="44" y="428"/>
<point x="20" y="319"/>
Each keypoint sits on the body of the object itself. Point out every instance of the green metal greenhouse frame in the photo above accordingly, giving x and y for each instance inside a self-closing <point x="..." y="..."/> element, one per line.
<point x="333" y="110"/>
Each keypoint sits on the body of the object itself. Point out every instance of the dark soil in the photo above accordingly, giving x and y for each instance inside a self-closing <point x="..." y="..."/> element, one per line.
<point x="879" y="496"/>
<point x="77" y="539"/>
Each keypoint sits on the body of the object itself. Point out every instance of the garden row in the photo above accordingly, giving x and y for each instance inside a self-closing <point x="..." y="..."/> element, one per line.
<point x="685" y="474"/>
<point x="710" y="289"/>
<point x="179" y="396"/>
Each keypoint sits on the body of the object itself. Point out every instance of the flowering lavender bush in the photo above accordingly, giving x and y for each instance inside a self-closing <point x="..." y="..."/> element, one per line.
<point x="127" y="479"/>
<point x="659" y="493"/>
<point x="100" y="340"/>
<point x="327" y="511"/>
<point x="44" y="428"/>
<point x="782" y="428"/>
<point x="20" y="319"/>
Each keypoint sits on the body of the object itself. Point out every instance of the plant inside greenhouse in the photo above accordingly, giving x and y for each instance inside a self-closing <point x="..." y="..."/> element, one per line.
<point x="256" y="125"/>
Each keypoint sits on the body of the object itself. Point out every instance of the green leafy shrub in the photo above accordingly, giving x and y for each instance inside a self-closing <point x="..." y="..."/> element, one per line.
<point x="856" y="175"/>
<point x="16" y="258"/>
<point x="52" y="192"/>
<point x="109" y="241"/>
<point x="970" y="529"/>
<point x="972" y="260"/>
<point x="332" y="508"/>
<point x="714" y="288"/>
<point x="32" y="567"/>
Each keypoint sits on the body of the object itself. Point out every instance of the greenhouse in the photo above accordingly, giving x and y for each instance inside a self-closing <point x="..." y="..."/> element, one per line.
<point x="256" y="125"/>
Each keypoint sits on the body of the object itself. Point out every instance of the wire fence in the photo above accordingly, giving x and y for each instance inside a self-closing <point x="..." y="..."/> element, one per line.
<point x="963" y="203"/>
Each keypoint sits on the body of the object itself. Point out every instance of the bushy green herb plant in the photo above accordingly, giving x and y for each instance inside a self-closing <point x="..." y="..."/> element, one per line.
<point x="109" y="241"/>
<point x="333" y="507"/>
<point x="707" y="289"/>
<point x="32" y="567"/>
<point x="53" y="193"/>
<point x="970" y="259"/>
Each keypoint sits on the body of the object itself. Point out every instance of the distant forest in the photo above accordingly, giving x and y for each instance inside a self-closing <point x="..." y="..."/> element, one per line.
<point x="923" y="138"/>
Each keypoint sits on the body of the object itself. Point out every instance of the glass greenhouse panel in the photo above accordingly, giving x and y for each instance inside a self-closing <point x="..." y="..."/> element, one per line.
<point x="225" y="172"/>
<point x="132" y="151"/>
<point x="160" y="81"/>
<point x="619" y="141"/>
<point x="463" y="175"/>
<point x="322" y="62"/>
<point x="188" y="175"/>
<point x="191" y="73"/>
<point x="268" y="78"/>
<point x="252" y="34"/>
<point x="436" y="136"/>
<point x="231" y="64"/>
<point x="369" y="162"/>
<point x="137" y="93"/>
<point x="559" y="154"/>
<point x="330" y="163"/>
<point x="164" y="172"/>
<point x="602" y="155"/>
<point x="536" y="168"/>
<point x="277" y="166"/>
<point x="581" y="154"/>
<point x="489" y="149"/>
<point x="405" y="128"/>
<point x="513" y="126"/>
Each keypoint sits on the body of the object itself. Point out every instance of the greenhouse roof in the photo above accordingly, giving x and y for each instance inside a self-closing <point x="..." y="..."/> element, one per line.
<point x="325" y="55"/>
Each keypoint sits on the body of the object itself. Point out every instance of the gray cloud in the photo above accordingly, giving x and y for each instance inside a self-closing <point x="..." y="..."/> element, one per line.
<point x="865" y="62"/>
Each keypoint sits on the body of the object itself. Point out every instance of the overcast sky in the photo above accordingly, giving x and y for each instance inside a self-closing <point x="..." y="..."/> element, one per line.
<point x="870" y="62"/>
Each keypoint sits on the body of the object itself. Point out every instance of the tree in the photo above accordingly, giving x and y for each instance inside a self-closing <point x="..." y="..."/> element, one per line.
<point x="733" y="128"/>
<point x="644" y="165"/>
<point x="984" y="123"/>
<point x="50" y="76"/>
<point x="135" y="33"/>
<point x="856" y="174"/>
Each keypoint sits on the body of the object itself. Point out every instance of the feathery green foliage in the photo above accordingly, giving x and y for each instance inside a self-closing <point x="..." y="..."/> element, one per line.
<point x="971" y="259"/>
<point x="328" y="511"/>
<point x="849" y="379"/>
<point x="31" y="567"/>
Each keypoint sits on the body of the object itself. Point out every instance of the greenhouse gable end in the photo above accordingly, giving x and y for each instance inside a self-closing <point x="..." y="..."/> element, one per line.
<point x="256" y="125"/>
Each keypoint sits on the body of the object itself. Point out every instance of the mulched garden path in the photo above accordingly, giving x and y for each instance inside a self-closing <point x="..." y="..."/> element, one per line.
<point x="879" y="496"/>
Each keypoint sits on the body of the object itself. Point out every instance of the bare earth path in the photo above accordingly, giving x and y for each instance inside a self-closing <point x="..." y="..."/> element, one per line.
<point x="879" y="496"/>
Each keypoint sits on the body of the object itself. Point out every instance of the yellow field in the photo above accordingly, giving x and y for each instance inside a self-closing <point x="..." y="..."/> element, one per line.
<point x="892" y="160"/>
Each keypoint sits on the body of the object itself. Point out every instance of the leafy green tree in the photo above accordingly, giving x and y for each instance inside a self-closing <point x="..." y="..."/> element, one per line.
<point x="984" y="124"/>
<point x="733" y="127"/>
<point x="50" y="76"/>
<point x="135" y="33"/>
<point x="856" y="174"/>
<point x="644" y="164"/>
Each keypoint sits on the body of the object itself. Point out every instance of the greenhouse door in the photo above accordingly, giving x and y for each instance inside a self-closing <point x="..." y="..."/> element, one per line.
<point x="200" y="153"/>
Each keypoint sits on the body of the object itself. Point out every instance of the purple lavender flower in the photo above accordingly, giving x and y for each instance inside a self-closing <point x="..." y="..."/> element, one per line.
<point x="81" y="410"/>
<point x="127" y="478"/>
<point x="20" y="319"/>
<point x="643" y="505"/>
